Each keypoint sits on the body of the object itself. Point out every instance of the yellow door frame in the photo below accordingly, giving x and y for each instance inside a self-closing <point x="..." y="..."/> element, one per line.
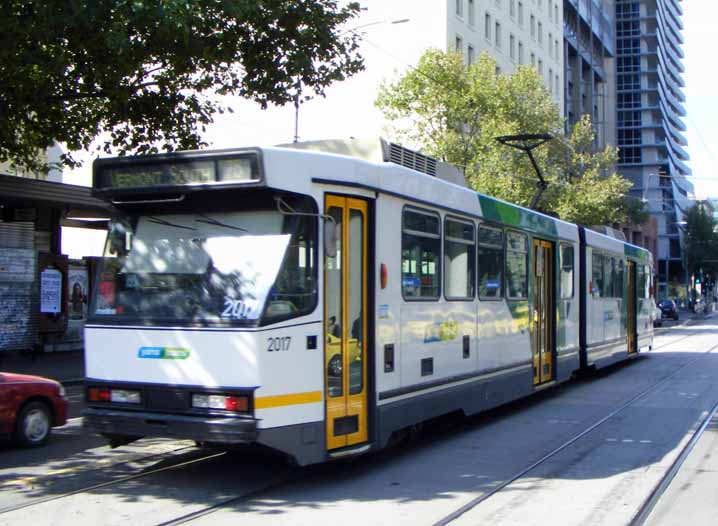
<point x="346" y="414"/>
<point x="544" y="304"/>
<point x="631" y="321"/>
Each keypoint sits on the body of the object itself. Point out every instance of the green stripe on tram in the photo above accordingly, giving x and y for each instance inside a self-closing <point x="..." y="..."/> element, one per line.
<point x="636" y="253"/>
<point x="512" y="215"/>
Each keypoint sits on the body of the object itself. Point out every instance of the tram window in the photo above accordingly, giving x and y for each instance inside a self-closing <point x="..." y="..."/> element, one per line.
<point x="420" y="255"/>
<point x="459" y="259"/>
<point x="491" y="262"/>
<point x="618" y="279"/>
<point x="516" y="266"/>
<point x="597" y="275"/>
<point x="294" y="291"/>
<point x="648" y="286"/>
<point x="566" y="283"/>
<point x="641" y="282"/>
<point x="609" y="267"/>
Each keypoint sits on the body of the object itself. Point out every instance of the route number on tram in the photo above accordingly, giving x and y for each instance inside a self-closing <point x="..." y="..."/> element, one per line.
<point x="281" y="343"/>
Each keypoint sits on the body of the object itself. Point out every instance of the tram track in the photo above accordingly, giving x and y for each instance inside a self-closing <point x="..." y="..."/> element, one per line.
<point x="119" y="480"/>
<point x="472" y="504"/>
<point x="249" y="496"/>
<point x="284" y="480"/>
<point x="660" y="488"/>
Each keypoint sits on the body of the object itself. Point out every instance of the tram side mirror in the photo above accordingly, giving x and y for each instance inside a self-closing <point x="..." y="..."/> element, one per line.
<point x="330" y="238"/>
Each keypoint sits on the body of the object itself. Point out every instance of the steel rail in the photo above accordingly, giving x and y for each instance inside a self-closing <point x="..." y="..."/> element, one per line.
<point x="640" y="517"/>
<point x="481" y="498"/>
<point x="120" y="480"/>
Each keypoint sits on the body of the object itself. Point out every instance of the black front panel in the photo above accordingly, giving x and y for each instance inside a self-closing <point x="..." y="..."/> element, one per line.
<point x="167" y="400"/>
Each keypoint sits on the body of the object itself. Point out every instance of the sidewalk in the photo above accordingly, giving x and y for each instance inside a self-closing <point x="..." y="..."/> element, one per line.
<point x="66" y="367"/>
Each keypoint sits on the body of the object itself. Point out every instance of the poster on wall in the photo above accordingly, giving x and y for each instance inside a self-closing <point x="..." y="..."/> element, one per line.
<point x="50" y="291"/>
<point x="77" y="293"/>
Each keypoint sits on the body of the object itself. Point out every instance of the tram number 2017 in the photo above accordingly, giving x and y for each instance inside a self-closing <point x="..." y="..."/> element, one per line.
<point x="279" y="344"/>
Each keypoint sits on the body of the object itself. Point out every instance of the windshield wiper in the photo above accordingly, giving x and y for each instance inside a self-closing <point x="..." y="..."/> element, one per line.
<point x="211" y="221"/>
<point x="159" y="221"/>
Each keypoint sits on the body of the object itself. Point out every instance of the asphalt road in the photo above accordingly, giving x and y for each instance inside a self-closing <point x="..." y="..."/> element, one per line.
<point x="646" y="410"/>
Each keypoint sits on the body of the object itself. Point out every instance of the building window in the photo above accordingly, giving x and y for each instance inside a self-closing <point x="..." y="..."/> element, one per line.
<point x="459" y="259"/>
<point x="472" y="13"/>
<point x="512" y="8"/>
<point x="420" y="255"/>
<point x="521" y="53"/>
<point x="550" y="80"/>
<point x="533" y="26"/>
<point x="487" y="26"/>
<point x="628" y="100"/>
<point x="628" y="81"/>
<point x="497" y="35"/>
<point x="629" y="155"/>
<point x="550" y="46"/>
<point x="540" y="67"/>
<point x="512" y="47"/>
<point x="491" y="262"/>
<point x="629" y="119"/>
<point x="470" y="55"/>
<point x="533" y="59"/>
<point x="558" y="84"/>
<point x="459" y="44"/>
<point x="555" y="49"/>
<point x="555" y="14"/>
<point x="540" y="33"/>
<point x="459" y="7"/>
<point x="629" y="137"/>
<point x="521" y="14"/>
<point x="627" y="10"/>
<point x="628" y="64"/>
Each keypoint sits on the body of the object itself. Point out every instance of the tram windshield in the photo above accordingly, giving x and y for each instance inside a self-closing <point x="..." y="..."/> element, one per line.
<point x="207" y="268"/>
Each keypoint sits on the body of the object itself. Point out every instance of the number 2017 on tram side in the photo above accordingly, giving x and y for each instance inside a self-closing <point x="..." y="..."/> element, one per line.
<point x="319" y="302"/>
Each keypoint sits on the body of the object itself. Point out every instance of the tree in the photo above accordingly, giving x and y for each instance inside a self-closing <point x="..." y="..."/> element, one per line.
<point x="701" y="240"/>
<point x="148" y="72"/>
<point x="455" y="113"/>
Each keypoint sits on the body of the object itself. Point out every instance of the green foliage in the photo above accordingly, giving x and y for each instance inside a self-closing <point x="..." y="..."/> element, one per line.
<point x="701" y="240"/>
<point x="455" y="113"/>
<point x="147" y="71"/>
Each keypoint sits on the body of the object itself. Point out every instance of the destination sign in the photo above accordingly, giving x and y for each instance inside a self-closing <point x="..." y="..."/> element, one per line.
<point x="121" y="174"/>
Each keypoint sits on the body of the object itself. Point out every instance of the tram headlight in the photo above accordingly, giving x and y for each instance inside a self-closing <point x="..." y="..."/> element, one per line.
<point x="123" y="396"/>
<point x="236" y="404"/>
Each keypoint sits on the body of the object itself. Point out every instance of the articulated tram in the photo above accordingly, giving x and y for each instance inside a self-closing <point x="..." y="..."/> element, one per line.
<point x="318" y="303"/>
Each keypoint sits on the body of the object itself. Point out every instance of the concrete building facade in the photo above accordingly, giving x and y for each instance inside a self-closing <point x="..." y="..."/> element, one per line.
<point x="650" y="128"/>
<point x="514" y="32"/>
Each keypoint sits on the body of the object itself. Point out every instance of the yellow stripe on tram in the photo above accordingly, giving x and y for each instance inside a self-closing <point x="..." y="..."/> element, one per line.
<point x="266" y="402"/>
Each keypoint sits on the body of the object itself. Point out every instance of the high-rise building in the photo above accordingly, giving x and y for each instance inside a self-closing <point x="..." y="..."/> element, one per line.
<point x="649" y="100"/>
<point x="589" y="58"/>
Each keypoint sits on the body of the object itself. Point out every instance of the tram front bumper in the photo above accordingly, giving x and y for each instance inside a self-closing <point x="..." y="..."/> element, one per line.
<point x="221" y="430"/>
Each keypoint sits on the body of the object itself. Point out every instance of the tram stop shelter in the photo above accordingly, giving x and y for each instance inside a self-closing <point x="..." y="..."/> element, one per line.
<point x="43" y="293"/>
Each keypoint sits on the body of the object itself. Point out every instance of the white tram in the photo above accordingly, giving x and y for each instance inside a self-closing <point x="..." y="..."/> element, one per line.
<point x="316" y="303"/>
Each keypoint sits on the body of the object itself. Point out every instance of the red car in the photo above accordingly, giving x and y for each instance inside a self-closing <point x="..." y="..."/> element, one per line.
<point x="29" y="407"/>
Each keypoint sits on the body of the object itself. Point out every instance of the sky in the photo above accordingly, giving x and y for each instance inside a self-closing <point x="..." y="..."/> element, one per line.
<point x="700" y="21"/>
<point x="334" y="116"/>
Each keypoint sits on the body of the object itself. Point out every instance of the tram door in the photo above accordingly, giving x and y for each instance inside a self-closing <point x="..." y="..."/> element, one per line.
<point x="631" y="308"/>
<point x="345" y="324"/>
<point x="543" y="315"/>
